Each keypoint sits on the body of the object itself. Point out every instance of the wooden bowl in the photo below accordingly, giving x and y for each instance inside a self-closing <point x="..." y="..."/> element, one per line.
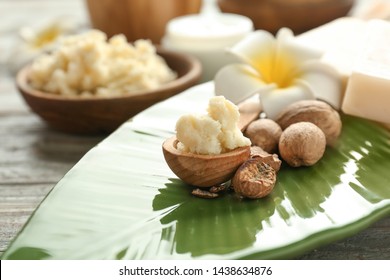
<point x="298" y="15"/>
<point x="138" y="19"/>
<point x="203" y="170"/>
<point x="95" y="115"/>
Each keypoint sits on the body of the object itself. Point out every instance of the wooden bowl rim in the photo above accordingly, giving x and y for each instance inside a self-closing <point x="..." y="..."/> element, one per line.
<point x="309" y="4"/>
<point x="170" y="144"/>
<point x="191" y="75"/>
<point x="314" y="4"/>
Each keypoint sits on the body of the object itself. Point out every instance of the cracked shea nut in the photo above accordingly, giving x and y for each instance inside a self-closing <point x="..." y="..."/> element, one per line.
<point x="254" y="179"/>
<point x="270" y="159"/>
<point x="302" y="144"/>
<point x="264" y="133"/>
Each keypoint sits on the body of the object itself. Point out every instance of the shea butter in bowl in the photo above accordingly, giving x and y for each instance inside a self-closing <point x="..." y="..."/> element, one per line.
<point x="70" y="98"/>
<point x="208" y="149"/>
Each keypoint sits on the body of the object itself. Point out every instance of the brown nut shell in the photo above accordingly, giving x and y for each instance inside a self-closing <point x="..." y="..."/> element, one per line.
<point x="302" y="144"/>
<point x="270" y="159"/>
<point x="254" y="179"/>
<point x="264" y="133"/>
<point x="315" y="111"/>
<point x="204" y="193"/>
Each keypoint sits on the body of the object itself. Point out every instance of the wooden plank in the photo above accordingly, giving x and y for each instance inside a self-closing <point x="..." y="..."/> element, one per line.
<point x="32" y="153"/>
<point x="370" y="244"/>
<point x="27" y="136"/>
<point x="17" y="203"/>
<point x="10" y="99"/>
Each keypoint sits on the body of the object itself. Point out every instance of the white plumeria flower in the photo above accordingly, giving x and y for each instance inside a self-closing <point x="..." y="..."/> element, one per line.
<point x="45" y="33"/>
<point x="37" y="39"/>
<point x="280" y="71"/>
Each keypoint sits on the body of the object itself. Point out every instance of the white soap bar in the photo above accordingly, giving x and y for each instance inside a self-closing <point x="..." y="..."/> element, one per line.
<point x="340" y="42"/>
<point x="368" y="89"/>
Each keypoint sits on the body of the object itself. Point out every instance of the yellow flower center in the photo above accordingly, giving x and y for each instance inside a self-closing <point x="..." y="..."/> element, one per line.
<point x="277" y="67"/>
<point x="46" y="36"/>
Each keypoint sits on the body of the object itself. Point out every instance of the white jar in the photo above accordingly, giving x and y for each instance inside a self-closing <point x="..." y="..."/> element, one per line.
<point x="207" y="36"/>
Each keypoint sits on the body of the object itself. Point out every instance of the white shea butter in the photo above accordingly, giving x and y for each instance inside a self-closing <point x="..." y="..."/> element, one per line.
<point x="214" y="133"/>
<point x="88" y="64"/>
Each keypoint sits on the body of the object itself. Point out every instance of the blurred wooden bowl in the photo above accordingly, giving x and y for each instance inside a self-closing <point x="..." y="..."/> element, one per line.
<point x="298" y="15"/>
<point x="138" y="19"/>
<point x="95" y="115"/>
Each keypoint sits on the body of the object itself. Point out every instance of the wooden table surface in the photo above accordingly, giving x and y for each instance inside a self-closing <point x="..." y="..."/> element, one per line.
<point x="33" y="157"/>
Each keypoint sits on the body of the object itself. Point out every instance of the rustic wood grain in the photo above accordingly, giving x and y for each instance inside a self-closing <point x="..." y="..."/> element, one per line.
<point x="17" y="202"/>
<point x="370" y="244"/>
<point x="33" y="157"/>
